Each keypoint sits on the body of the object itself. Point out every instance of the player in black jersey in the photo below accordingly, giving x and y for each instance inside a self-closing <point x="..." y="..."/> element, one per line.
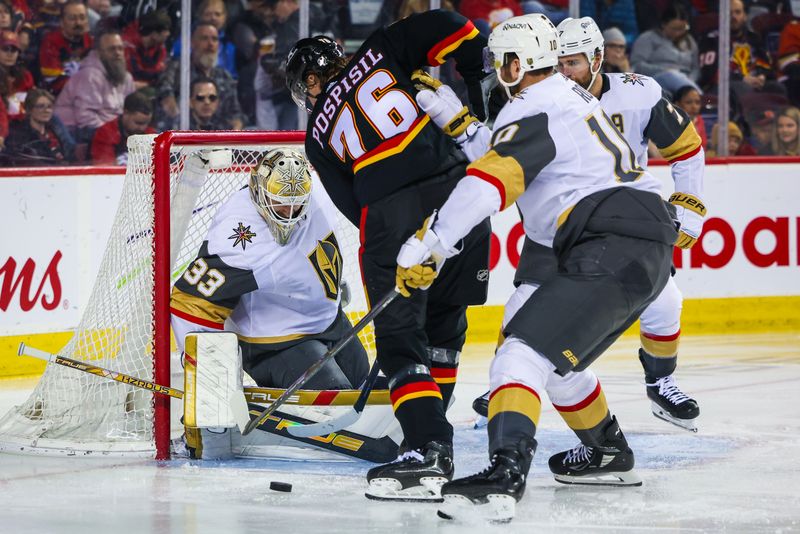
<point x="386" y="166"/>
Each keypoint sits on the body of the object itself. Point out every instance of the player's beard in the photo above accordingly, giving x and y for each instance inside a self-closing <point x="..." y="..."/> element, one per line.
<point x="585" y="81"/>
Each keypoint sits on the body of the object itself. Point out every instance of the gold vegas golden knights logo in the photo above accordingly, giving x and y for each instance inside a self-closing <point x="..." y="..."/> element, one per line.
<point x="327" y="262"/>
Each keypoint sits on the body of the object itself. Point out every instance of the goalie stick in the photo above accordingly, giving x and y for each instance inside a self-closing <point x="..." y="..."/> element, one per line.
<point x="316" y="366"/>
<point x="303" y="397"/>
<point x="378" y="450"/>
<point x="323" y="428"/>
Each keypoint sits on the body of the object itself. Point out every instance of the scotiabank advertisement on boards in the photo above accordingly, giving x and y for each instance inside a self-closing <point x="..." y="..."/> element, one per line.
<point x="55" y="227"/>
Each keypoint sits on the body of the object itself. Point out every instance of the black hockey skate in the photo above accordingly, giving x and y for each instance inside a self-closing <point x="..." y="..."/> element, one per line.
<point x="493" y="493"/>
<point x="608" y="465"/>
<point x="416" y="475"/>
<point x="481" y="407"/>
<point x="671" y="404"/>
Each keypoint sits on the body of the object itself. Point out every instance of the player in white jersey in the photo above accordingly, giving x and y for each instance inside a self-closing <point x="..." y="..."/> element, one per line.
<point x="639" y="111"/>
<point x="270" y="270"/>
<point x="580" y="191"/>
<point x="637" y="108"/>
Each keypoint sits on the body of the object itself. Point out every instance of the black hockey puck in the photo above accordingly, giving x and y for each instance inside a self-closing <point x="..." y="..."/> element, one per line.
<point x="280" y="486"/>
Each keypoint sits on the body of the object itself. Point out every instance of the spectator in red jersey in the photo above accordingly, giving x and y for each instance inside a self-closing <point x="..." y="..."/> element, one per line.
<point x="62" y="49"/>
<point x="789" y="60"/>
<point x="145" y="48"/>
<point x="37" y="139"/>
<point x="750" y="68"/>
<point x="15" y="79"/>
<point x="96" y="93"/>
<point x="110" y="141"/>
<point x="688" y="99"/>
<point x="486" y="14"/>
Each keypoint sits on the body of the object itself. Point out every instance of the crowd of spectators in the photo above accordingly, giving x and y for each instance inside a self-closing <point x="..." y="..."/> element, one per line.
<point x="77" y="77"/>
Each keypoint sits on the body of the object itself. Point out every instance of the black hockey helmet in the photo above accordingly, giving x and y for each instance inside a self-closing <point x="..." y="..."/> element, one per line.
<point x="320" y="55"/>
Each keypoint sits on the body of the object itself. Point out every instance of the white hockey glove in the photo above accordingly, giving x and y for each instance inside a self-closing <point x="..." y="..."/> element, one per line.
<point x="420" y="259"/>
<point x="443" y="106"/>
<point x="690" y="213"/>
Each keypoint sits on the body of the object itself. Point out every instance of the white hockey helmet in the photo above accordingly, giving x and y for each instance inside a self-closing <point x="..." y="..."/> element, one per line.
<point x="582" y="36"/>
<point x="280" y="186"/>
<point x="534" y="40"/>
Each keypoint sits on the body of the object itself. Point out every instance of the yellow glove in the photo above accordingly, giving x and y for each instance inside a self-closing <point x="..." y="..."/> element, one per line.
<point x="690" y="212"/>
<point x="422" y="81"/>
<point x="419" y="276"/>
<point x="419" y="259"/>
<point x="443" y="106"/>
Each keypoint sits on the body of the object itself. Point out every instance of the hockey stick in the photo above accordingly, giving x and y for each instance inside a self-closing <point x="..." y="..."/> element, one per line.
<point x="323" y="428"/>
<point x="304" y="397"/>
<point x="316" y="397"/>
<point x="25" y="350"/>
<point x="316" y="366"/>
<point x="378" y="450"/>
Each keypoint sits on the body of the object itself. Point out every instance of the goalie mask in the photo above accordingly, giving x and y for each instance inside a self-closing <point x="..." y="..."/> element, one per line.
<point x="280" y="186"/>
<point x="318" y="55"/>
<point x="532" y="38"/>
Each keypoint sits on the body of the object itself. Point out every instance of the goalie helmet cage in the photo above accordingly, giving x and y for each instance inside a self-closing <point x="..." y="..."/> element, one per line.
<point x="126" y="323"/>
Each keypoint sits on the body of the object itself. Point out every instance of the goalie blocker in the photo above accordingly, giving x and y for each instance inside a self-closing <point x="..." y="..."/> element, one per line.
<point x="214" y="406"/>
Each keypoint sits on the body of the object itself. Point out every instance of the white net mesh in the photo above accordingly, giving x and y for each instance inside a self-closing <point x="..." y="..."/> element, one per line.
<point x="74" y="412"/>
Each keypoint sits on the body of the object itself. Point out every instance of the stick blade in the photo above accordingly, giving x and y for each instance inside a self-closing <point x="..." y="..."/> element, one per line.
<point x="323" y="428"/>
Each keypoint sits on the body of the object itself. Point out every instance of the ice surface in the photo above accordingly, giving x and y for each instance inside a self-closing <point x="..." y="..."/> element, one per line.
<point x="740" y="473"/>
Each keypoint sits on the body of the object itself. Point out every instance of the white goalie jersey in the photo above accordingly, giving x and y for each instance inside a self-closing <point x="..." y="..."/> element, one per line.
<point x="244" y="281"/>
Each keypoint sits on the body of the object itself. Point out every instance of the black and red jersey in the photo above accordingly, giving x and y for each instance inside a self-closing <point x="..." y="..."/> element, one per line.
<point x="60" y="58"/>
<point x="144" y="64"/>
<point x="366" y="136"/>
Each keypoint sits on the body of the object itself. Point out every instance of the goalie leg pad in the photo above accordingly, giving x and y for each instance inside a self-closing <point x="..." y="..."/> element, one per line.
<point x="212" y="380"/>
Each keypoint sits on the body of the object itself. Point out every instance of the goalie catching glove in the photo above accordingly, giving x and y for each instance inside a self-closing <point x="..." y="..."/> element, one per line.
<point x="420" y="259"/>
<point x="690" y="213"/>
<point x="443" y="106"/>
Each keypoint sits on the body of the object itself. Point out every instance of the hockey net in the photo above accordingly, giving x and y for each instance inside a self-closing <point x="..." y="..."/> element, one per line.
<point x="125" y="326"/>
